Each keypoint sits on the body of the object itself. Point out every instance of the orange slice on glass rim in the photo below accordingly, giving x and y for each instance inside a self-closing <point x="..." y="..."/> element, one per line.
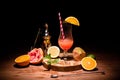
<point x="72" y="20"/>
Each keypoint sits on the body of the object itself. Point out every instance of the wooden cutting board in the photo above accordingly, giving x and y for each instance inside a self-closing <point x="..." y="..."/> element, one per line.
<point x="69" y="65"/>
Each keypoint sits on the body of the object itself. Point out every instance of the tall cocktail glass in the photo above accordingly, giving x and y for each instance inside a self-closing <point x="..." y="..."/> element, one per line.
<point x="65" y="39"/>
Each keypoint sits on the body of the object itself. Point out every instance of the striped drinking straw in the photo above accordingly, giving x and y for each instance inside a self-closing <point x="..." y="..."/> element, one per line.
<point x="61" y="26"/>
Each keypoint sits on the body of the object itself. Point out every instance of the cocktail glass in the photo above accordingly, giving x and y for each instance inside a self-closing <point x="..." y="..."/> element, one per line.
<point x="65" y="39"/>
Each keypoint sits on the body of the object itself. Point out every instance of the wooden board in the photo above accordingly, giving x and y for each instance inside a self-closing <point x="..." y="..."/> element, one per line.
<point x="66" y="66"/>
<point x="69" y="65"/>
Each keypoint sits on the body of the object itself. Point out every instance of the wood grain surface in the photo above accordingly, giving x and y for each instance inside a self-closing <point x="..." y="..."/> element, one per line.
<point x="107" y="64"/>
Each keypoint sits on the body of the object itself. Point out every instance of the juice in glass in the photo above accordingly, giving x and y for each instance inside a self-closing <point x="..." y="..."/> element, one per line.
<point x="65" y="44"/>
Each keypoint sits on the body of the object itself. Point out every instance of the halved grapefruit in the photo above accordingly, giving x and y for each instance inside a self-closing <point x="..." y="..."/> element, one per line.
<point x="36" y="56"/>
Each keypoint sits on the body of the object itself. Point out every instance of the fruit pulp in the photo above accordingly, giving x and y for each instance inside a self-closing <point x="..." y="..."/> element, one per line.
<point x="72" y="20"/>
<point x="88" y="63"/>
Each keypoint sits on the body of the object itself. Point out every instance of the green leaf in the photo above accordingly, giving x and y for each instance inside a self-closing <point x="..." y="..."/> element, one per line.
<point x="50" y="60"/>
<point x="55" y="61"/>
<point x="48" y="56"/>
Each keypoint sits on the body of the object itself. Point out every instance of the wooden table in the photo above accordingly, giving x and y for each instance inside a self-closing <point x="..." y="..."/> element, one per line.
<point x="107" y="63"/>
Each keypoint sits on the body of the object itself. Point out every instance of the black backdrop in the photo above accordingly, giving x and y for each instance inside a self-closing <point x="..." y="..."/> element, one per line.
<point x="20" y="23"/>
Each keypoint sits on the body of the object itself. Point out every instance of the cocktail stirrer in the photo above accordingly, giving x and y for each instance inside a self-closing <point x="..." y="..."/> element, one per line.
<point x="36" y="39"/>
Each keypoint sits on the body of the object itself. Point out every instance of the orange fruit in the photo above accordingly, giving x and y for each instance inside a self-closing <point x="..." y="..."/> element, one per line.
<point x="88" y="63"/>
<point x="54" y="51"/>
<point x="78" y="53"/>
<point x="22" y="60"/>
<point x="72" y="20"/>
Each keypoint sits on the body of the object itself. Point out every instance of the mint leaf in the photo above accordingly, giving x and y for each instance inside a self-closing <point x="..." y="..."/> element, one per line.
<point x="55" y="61"/>
<point x="48" y="56"/>
<point x="50" y="61"/>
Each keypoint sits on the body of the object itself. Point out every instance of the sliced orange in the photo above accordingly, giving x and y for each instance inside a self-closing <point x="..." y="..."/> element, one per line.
<point x="72" y="20"/>
<point x="53" y="51"/>
<point x="22" y="60"/>
<point x="88" y="63"/>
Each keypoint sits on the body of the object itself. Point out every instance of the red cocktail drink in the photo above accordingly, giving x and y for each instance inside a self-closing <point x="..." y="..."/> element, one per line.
<point x="65" y="44"/>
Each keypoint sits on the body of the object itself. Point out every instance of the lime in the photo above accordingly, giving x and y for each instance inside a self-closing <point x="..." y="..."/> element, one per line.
<point x="91" y="55"/>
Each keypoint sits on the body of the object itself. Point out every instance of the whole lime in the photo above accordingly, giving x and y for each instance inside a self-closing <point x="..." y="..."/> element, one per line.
<point x="92" y="56"/>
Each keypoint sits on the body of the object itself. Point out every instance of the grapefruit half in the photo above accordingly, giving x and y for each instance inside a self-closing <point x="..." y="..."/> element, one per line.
<point x="36" y="56"/>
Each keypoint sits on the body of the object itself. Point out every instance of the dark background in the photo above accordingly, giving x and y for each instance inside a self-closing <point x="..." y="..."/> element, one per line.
<point x="20" y="22"/>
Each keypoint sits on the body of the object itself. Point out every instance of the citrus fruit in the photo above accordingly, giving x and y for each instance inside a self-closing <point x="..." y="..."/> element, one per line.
<point x="78" y="53"/>
<point x="88" y="63"/>
<point x="53" y="51"/>
<point x="36" y="56"/>
<point x="72" y="20"/>
<point x="22" y="60"/>
<point x="91" y="55"/>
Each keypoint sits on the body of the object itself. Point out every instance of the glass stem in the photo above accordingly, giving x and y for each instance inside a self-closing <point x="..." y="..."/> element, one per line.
<point x="65" y="55"/>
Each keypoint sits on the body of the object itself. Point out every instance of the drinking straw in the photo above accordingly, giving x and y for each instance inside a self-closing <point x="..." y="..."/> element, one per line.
<point x="61" y="26"/>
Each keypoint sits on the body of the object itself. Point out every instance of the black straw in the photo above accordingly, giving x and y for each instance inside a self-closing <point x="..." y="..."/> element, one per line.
<point x="36" y="39"/>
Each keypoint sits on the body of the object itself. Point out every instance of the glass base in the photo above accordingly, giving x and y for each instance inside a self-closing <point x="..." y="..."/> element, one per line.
<point x="66" y="56"/>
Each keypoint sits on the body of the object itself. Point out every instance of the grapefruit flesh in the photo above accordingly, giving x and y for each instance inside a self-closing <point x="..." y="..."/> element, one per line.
<point x="36" y="55"/>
